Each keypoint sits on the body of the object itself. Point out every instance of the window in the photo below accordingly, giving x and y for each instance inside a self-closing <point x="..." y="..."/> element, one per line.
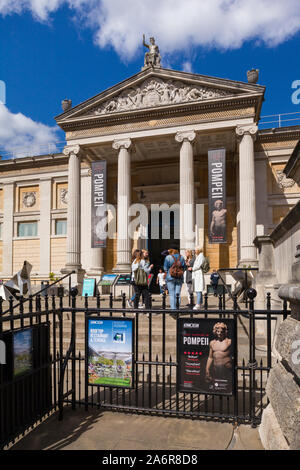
<point x="61" y="227"/>
<point x="27" y="229"/>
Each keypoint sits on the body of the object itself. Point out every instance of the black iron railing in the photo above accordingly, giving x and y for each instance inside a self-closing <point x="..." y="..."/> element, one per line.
<point x="57" y="376"/>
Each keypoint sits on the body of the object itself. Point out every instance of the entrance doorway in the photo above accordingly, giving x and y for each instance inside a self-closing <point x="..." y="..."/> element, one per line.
<point x="162" y="234"/>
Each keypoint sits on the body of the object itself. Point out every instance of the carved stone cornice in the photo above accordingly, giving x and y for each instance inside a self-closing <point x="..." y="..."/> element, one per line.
<point x="122" y="144"/>
<point x="75" y="149"/>
<point x="247" y="129"/>
<point x="162" y="112"/>
<point x="188" y="136"/>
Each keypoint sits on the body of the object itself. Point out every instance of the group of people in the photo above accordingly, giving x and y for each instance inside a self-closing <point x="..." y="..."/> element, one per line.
<point x="176" y="271"/>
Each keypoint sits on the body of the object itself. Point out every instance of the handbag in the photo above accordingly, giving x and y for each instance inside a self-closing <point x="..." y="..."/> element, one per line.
<point x="140" y="277"/>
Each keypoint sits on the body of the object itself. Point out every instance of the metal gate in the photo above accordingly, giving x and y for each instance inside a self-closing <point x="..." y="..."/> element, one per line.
<point x="60" y="376"/>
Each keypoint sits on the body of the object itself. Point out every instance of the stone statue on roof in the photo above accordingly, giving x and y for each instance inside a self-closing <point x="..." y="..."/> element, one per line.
<point x="153" y="57"/>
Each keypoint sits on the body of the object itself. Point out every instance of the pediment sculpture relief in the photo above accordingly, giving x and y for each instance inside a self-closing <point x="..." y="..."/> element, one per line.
<point x="283" y="181"/>
<point x="155" y="92"/>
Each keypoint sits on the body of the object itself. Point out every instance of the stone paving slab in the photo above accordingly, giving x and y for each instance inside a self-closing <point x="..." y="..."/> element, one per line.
<point x="106" y="430"/>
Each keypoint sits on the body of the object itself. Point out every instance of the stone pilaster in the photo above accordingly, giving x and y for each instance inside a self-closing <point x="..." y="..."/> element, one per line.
<point x="247" y="136"/>
<point x="45" y="226"/>
<point x="8" y="227"/>
<point x="124" y="199"/>
<point x="186" y="185"/>
<point x="73" y="258"/>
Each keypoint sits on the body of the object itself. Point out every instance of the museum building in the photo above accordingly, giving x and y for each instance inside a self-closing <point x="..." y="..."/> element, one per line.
<point x="154" y="130"/>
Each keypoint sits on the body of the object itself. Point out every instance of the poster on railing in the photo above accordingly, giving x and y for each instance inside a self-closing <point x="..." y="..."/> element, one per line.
<point x="110" y="352"/>
<point x="206" y="355"/>
<point x="22" y="351"/>
<point x="217" y="211"/>
<point x="98" y="206"/>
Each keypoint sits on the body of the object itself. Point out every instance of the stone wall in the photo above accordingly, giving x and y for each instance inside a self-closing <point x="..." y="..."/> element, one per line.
<point x="286" y="237"/>
<point x="279" y="255"/>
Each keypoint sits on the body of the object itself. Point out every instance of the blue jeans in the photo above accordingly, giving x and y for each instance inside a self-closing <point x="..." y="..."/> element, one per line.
<point x="174" y="288"/>
<point x="199" y="298"/>
<point x="161" y="288"/>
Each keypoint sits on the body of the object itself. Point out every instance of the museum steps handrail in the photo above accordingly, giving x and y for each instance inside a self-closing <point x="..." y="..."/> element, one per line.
<point x="24" y="300"/>
<point x="236" y="305"/>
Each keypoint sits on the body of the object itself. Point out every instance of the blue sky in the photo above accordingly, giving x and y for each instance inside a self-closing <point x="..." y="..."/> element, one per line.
<point x="55" y="49"/>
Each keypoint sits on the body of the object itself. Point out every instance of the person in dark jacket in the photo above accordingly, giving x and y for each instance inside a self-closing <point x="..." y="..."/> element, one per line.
<point x="214" y="281"/>
<point x="189" y="260"/>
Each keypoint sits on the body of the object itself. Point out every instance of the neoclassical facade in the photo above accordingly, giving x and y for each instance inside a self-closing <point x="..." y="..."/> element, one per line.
<point x="154" y="130"/>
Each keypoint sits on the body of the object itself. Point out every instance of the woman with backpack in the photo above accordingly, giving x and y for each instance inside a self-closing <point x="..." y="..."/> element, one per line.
<point x="140" y="269"/>
<point x="198" y="277"/>
<point x="174" y="267"/>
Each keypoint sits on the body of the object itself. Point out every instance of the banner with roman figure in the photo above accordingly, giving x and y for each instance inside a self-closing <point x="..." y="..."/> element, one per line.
<point x="206" y="355"/>
<point x="98" y="204"/>
<point x="217" y="211"/>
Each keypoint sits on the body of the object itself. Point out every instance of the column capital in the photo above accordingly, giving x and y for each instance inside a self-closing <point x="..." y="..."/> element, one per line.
<point x="247" y="129"/>
<point x="122" y="144"/>
<point x="187" y="136"/>
<point x="76" y="149"/>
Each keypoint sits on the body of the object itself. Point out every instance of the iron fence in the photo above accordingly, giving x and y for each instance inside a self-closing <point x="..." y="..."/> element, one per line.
<point x="57" y="376"/>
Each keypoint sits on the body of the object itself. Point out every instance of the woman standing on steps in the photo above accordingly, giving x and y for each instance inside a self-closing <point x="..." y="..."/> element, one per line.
<point x="198" y="277"/>
<point x="174" y="268"/>
<point x="140" y="269"/>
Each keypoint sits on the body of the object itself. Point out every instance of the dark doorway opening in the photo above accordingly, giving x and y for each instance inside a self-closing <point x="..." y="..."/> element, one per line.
<point x="160" y="225"/>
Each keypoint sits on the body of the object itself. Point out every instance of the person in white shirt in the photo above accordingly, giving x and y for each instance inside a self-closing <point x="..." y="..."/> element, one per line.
<point x="198" y="277"/>
<point x="161" y="281"/>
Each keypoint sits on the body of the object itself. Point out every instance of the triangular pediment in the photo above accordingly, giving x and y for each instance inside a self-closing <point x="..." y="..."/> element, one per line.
<point x="156" y="88"/>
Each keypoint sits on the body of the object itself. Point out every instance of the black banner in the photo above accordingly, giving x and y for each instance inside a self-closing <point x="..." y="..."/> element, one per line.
<point x="98" y="204"/>
<point x="217" y="211"/>
<point x="206" y="354"/>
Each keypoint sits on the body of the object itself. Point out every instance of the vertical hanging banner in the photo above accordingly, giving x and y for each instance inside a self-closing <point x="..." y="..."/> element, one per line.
<point x="98" y="204"/>
<point x="217" y="212"/>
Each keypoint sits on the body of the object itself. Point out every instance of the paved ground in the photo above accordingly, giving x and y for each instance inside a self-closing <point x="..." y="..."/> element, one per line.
<point x="105" y="430"/>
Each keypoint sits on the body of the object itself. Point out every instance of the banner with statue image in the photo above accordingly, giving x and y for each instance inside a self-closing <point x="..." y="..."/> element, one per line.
<point x="98" y="207"/>
<point x="217" y="211"/>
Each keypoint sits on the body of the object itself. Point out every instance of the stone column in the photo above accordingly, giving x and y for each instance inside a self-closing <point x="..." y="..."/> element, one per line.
<point x="124" y="199"/>
<point x="73" y="258"/>
<point x="96" y="262"/>
<point x="8" y="228"/>
<point x="186" y="185"/>
<point x="91" y="258"/>
<point x="248" y="254"/>
<point x="45" y="226"/>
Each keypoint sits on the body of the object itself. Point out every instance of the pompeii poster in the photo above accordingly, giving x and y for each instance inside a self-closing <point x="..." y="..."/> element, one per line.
<point x="217" y="196"/>
<point x="110" y="352"/>
<point x="205" y="354"/>
<point x="98" y="204"/>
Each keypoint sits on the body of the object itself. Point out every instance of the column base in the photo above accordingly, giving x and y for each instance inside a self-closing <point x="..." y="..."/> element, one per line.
<point x="122" y="268"/>
<point x="95" y="271"/>
<point x="246" y="263"/>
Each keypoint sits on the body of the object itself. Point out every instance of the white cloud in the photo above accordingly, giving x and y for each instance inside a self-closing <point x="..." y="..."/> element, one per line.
<point x="187" y="66"/>
<point x="176" y="24"/>
<point x="21" y="136"/>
